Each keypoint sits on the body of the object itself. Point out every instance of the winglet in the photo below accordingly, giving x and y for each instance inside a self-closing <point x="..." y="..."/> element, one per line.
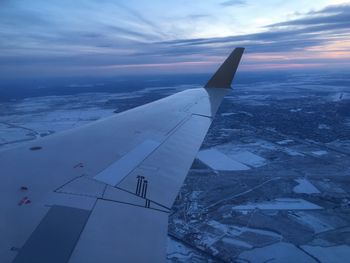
<point x="224" y="75"/>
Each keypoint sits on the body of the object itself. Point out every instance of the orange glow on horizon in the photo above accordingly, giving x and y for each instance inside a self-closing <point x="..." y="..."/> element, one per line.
<point x="333" y="55"/>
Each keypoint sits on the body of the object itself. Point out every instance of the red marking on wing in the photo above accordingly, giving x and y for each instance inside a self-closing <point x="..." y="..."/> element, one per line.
<point x="25" y="200"/>
<point x="79" y="165"/>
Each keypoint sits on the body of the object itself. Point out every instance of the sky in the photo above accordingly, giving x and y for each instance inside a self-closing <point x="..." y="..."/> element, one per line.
<point x="105" y="37"/>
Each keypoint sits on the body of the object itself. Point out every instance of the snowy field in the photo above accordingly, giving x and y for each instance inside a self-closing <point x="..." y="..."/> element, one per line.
<point x="305" y="187"/>
<point x="334" y="254"/>
<point x="222" y="159"/>
<point x="219" y="161"/>
<point x="279" y="204"/>
<point x="280" y="252"/>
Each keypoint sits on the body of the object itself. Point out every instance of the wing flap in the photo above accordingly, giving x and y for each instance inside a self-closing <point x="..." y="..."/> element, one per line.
<point x="113" y="174"/>
<point x="123" y="233"/>
<point x="170" y="163"/>
<point x="55" y="237"/>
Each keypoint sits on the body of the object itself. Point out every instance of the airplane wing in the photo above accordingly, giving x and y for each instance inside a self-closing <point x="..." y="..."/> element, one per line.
<point x="103" y="192"/>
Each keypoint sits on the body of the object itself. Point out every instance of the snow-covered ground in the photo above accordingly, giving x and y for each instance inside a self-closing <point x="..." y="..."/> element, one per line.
<point x="336" y="254"/>
<point x="305" y="187"/>
<point x="234" y="230"/>
<point x="226" y="114"/>
<point x="340" y="96"/>
<point x="285" y="142"/>
<point x="314" y="222"/>
<point x="324" y="126"/>
<point x="292" y="152"/>
<point x="248" y="158"/>
<point x="279" y="204"/>
<point x="219" y="161"/>
<point x="236" y="242"/>
<point x="230" y="157"/>
<point x="319" y="152"/>
<point x="295" y="110"/>
<point x="233" y="235"/>
<point x="179" y="253"/>
<point x="279" y="252"/>
<point x="35" y="117"/>
<point x="260" y="237"/>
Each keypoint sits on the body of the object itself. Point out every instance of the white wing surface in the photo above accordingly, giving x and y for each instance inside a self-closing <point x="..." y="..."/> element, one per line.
<point x="103" y="192"/>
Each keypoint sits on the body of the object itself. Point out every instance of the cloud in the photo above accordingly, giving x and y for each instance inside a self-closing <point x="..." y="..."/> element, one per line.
<point x="142" y="19"/>
<point x="233" y="2"/>
<point x="197" y="16"/>
<point x="339" y="16"/>
<point x="115" y="35"/>
<point x="313" y="29"/>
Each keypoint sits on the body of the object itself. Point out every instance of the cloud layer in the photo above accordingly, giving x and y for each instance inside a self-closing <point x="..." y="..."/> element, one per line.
<point x="104" y="37"/>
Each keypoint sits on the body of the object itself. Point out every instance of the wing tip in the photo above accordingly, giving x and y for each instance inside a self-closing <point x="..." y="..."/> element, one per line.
<point x="224" y="75"/>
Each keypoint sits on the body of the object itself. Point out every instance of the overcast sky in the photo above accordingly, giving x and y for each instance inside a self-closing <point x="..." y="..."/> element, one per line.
<point x="106" y="37"/>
